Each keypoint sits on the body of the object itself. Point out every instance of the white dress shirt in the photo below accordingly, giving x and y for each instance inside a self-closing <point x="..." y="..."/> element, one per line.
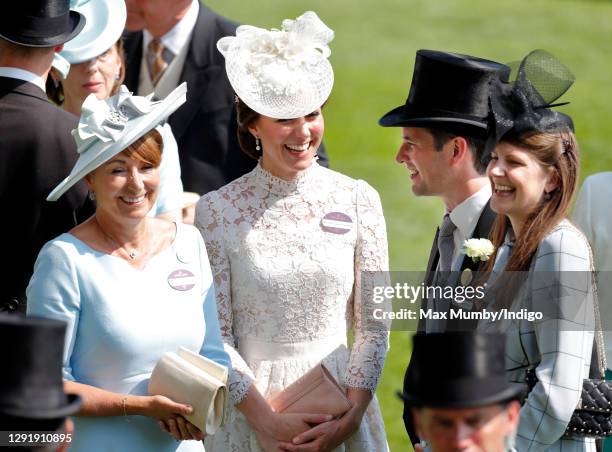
<point x="176" y="41"/>
<point x="22" y="74"/>
<point x="465" y="217"/>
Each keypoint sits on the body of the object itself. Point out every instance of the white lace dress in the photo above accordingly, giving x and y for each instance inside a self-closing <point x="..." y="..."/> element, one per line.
<point x="286" y="258"/>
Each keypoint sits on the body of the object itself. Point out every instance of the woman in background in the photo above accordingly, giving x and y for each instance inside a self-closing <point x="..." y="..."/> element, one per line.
<point x="93" y="62"/>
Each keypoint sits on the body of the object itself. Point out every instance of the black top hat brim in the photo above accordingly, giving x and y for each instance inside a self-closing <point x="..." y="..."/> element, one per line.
<point x="399" y="117"/>
<point x="467" y="394"/>
<point x="71" y="406"/>
<point x="76" y="24"/>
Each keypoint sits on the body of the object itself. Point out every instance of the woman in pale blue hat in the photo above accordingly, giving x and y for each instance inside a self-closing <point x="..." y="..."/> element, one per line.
<point x="131" y="287"/>
<point x="93" y="62"/>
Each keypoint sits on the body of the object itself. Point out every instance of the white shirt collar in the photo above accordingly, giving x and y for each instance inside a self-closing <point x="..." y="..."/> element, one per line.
<point x="178" y="36"/>
<point x="22" y="74"/>
<point x="465" y="216"/>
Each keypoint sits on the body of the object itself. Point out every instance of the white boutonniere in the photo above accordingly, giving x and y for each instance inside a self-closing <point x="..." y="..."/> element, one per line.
<point x="478" y="249"/>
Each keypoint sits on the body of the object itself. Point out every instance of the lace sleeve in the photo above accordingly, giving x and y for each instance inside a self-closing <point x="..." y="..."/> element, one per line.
<point x="208" y="220"/>
<point x="371" y="259"/>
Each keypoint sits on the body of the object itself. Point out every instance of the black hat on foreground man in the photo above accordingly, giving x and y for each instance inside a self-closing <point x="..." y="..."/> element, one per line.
<point x="458" y="392"/>
<point x="36" y="147"/>
<point x="32" y="397"/>
<point x="445" y="125"/>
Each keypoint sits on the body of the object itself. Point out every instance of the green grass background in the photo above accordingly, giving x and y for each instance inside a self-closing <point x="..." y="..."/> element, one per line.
<point x="373" y="55"/>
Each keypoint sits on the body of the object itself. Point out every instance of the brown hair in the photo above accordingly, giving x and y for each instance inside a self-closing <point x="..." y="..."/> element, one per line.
<point x="21" y="51"/>
<point x="557" y="150"/>
<point x="148" y="148"/>
<point x="476" y="145"/>
<point x="246" y="117"/>
<point x="55" y="90"/>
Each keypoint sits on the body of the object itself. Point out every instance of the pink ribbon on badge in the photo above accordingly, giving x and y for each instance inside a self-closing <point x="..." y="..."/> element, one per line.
<point x="336" y="223"/>
<point x="182" y="280"/>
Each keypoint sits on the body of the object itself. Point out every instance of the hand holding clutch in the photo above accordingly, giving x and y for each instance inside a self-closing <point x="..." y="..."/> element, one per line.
<point x="190" y="378"/>
<point x="316" y="392"/>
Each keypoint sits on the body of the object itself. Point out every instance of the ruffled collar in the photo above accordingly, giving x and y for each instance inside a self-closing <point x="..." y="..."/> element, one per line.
<point x="300" y="184"/>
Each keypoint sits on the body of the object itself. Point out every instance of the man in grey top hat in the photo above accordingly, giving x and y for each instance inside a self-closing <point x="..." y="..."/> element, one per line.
<point x="36" y="148"/>
<point x="461" y="400"/>
<point x="444" y="125"/>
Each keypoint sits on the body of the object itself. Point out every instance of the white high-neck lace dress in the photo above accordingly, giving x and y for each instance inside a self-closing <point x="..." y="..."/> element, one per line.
<point x="286" y="258"/>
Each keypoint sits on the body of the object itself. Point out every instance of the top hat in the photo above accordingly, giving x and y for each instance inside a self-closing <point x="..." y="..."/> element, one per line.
<point x="31" y="385"/>
<point x="39" y="23"/>
<point x="458" y="370"/>
<point x="448" y="90"/>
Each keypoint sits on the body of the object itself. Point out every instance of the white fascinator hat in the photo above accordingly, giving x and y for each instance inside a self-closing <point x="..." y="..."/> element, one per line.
<point x="108" y="126"/>
<point x="284" y="73"/>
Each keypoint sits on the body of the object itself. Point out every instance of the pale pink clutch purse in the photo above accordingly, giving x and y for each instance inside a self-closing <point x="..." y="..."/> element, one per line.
<point x="316" y="392"/>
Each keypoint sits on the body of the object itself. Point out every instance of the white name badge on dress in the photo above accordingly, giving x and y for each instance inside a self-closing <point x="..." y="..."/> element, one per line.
<point x="181" y="280"/>
<point x="336" y="223"/>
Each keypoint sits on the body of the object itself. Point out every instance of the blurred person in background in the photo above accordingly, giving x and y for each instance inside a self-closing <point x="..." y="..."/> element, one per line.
<point x="592" y="215"/>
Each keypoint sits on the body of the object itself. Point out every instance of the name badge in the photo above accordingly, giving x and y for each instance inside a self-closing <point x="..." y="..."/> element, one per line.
<point x="336" y="223"/>
<point x="182" y="280"/>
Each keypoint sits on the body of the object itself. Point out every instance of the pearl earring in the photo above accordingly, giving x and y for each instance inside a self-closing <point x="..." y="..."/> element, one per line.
<point x="257" y="144"/>
<point x="92" y="196"/>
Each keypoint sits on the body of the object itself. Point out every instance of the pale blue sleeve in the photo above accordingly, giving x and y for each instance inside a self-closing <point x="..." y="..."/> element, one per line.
<point x="170" y="193"/>
<point x="53" y="292"/>
<point x="212" y="347"/>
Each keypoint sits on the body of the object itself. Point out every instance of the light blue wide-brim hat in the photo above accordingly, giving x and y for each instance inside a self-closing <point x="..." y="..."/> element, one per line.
<point x="105" y="21"/>
<point x="108" y="126"/>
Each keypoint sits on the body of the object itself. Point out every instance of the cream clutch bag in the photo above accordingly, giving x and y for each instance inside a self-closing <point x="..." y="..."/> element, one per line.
<point x="315" y="392"/>
<point x="187" y="377"/>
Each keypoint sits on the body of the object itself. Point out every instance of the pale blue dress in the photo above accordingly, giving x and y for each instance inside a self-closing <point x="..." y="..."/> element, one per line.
<point x="121" y="320"/>
<point x="170" y="195"/>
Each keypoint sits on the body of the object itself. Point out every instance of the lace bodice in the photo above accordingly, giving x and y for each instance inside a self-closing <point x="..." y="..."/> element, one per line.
<point x="286" y="258"/>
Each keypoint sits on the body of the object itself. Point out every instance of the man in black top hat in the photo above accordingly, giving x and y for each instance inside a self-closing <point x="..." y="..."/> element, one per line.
<point x="459" y="395"/>
<point x="32" y="397"/>
<point x="36" y="147"/>
<point x="444" y="130"/>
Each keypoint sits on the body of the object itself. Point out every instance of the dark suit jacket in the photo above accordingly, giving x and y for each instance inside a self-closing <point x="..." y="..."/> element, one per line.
<point x="36" y="153"/>
<point x="205" y="126"/>
<point x="485" y="222"/>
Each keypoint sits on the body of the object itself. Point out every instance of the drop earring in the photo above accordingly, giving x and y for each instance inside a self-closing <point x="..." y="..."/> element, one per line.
<point x="257" y="144"/>
<point x="92" y="196"/>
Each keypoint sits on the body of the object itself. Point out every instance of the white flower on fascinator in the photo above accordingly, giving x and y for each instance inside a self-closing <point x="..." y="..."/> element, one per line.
<point x="281" y="73"/>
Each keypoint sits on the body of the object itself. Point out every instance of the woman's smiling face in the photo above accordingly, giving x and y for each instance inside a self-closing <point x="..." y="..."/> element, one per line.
<point x="289" y="145"/>
<point x="518" y="180"/>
